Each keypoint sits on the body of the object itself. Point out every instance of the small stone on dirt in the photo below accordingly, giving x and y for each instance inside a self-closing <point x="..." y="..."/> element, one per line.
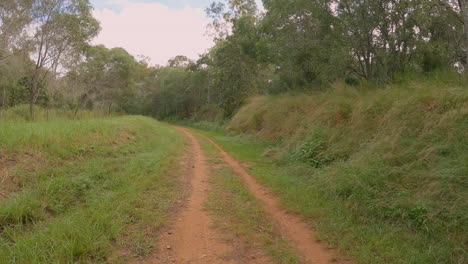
<point x="168" y="247"/>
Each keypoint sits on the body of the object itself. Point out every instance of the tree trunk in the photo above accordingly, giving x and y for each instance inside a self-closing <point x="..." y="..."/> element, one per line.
<point x="81" y="104"/>
<point x="31" y="109"/>
<point x="109" y="109"/>
<point x="33" y="95"/>
<point x="463" y="4"/>
<point x="464" y="11"/>
<point x="3" y="102"/>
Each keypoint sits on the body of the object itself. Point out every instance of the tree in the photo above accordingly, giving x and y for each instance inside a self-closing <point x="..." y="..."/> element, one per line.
<point x="303" y="42"/>
<point x="15" y="15"/>
<point x="15" y="79"/>
<point x="62" y="29"/>
<point x="179" y="61"/>
<point x="232" y="62"/>
<point x="463" y="5"/>
<point x="107" y="76"/>
<point x="225" y="15"/>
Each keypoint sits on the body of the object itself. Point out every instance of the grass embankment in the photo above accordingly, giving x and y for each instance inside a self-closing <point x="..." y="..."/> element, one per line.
<point x="79" y="191"/>
<point x="381" y="173"/>
<point x="240" y="215"/>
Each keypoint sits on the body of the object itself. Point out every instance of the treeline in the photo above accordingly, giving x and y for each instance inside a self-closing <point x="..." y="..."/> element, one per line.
<point x="301" y="45"/>
<point x="305" y="45"/>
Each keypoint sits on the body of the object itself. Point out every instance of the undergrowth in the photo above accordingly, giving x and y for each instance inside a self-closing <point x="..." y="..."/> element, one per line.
<point x="382" y="171"/>
<point x="20" y="113"/>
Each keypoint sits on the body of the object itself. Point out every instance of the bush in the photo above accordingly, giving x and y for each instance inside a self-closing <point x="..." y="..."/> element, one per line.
<point x="310" y="151"/>
<point x="351" y="81"/>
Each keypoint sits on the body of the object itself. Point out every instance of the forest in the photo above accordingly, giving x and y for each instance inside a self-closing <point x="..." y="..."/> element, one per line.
<point x="296" y="46"/>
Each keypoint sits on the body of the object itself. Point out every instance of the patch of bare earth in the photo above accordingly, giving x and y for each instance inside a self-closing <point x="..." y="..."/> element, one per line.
<point x="123" y="136"/>
<point x="28" y="162"/>
<point x="190" y="238"/>
<point x="7" y="182"/>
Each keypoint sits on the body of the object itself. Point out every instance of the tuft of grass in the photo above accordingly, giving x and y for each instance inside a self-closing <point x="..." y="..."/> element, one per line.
<point x="106" y="184"/>
<point x="388" y="177"/>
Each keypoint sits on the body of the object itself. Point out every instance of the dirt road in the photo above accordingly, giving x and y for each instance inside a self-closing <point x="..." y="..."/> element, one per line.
<point x="191" y="239"/>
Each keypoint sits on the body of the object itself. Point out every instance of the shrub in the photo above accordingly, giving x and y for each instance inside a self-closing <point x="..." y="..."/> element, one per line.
<point x="352" y="81"/>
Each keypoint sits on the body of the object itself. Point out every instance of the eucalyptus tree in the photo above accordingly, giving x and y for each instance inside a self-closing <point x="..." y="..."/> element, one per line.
<point x="179" y="61"/>
<point x="232" y="63"/>
<point x="382" y="35"/>
<point x="105" y="76"/>
<point x="303" y="42"/>
<point x="61" y="31"/>
<point x="15" y="16"/>
<point x="463" y="9"/>
<point x="442" y="35"/>
<point x="321" y="40"/>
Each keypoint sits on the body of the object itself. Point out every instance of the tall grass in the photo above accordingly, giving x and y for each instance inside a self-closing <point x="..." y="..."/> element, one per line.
<point x="21" y="113"/>
<point x="96" y="185"/>
<point x="383" y="171"/>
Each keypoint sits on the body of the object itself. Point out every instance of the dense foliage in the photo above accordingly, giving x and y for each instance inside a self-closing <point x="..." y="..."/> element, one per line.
<point x="285" y="46"/>
<point x="306" y="45"/>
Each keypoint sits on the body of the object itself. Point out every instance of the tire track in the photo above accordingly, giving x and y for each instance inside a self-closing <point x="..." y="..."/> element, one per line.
<point x="191" y="239"/>
<point x="291" y="226"/>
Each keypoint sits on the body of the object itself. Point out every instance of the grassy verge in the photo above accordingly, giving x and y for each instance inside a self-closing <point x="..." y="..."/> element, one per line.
<point x="362" y="234"/>
<point x="238" y="212"/>
<point x="20" y="113"/>
<point x="383" y="171"/>
<point x="95" y="187"/>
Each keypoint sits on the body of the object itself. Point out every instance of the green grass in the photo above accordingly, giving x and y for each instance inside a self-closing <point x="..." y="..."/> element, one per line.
<point x="20" y="113"/>
<point x="366" y="238"/>
<point x="381" y="172"/>
<point x="238" y="212"/>
<point x="96" y="187"/>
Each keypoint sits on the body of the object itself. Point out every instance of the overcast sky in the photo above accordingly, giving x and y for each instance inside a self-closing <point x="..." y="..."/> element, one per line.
<point x="158" y="29"/>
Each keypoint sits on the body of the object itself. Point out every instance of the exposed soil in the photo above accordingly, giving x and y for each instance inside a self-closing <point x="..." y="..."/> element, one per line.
<point x="293" y="228"/>
<point x="7" y="183"/>
<point x="29" y="162"/>
<point x="191" y="238"/>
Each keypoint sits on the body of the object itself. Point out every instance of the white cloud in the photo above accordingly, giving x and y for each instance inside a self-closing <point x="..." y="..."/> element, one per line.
<point x="154" y="30"/>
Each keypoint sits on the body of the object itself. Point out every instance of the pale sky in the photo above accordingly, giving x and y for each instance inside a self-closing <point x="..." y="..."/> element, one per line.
<point x="158" y="29"/>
